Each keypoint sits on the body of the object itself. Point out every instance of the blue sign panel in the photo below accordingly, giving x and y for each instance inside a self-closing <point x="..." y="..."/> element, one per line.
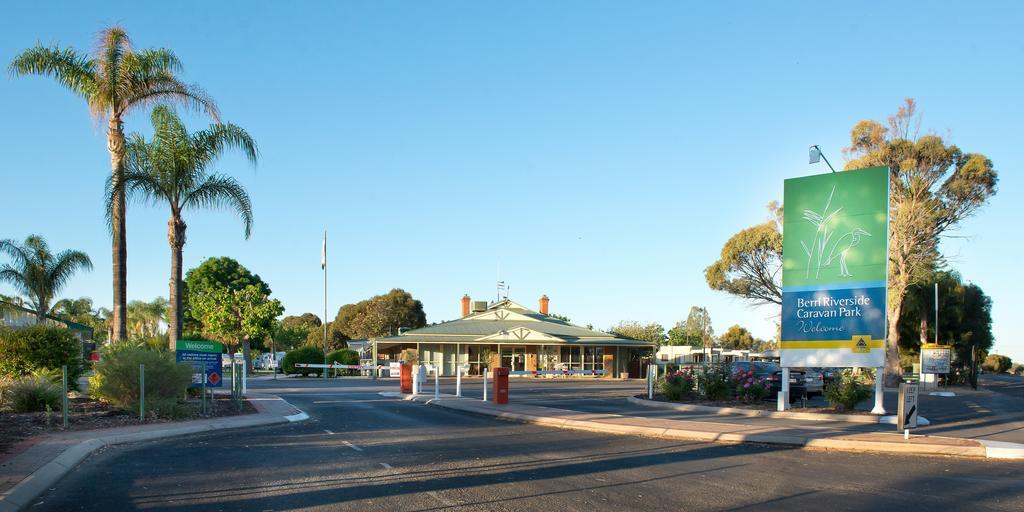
<point x="204" y="356"/>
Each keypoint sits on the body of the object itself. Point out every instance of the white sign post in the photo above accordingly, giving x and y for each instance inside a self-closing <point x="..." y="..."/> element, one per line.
<point x="906" y="418"/>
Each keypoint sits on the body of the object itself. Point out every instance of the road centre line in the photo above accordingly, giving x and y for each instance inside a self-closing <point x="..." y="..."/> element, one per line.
<point x="386" y="465"/>
<point x="329" y="432"/>
<point x="350" y="445"/>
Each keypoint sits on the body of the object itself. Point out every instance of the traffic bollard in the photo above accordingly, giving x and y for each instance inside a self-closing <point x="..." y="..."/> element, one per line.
<point x="437" y="382"/>
<point x="485" y="384"/>
<point x="458" y="382"/>
<point x="64" y="373"/>
<point x="142" y="392"/>
<point x="650" y="382"/>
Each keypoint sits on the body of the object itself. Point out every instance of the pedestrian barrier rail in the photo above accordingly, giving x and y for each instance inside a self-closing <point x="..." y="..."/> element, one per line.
<point x="560" y="372"/>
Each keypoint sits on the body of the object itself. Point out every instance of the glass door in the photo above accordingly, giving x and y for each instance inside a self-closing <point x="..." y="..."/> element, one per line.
<point x="513" y="358"/>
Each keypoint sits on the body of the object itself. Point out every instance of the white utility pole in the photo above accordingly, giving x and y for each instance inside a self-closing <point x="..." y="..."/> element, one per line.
<point x="323" y="265"/>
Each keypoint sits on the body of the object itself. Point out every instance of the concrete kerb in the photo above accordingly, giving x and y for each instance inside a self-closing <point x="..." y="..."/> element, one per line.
<point x="982" y="448"/>
<point x="762" y="413"/>
<point x="21" y="495"/>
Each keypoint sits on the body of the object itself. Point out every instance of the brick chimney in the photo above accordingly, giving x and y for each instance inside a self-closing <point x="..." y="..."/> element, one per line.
<point x="544" y="304"/>
<point x="465" y="306"/>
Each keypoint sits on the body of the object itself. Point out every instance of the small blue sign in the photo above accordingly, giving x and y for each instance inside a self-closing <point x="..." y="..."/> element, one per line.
<point x="204" y="356"/>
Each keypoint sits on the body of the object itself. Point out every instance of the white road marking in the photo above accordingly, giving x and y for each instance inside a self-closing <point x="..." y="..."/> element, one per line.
<point x="354" y="447"/>
<point x="386" y="465"/>
<point x="329" y="432"/>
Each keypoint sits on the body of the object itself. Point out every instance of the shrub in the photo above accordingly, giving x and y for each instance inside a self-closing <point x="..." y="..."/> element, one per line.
<point x="846" y="391"/>
<point x="679" y="384"/>
<point x="344" y="356"/>
<point x="38" y="347"/>
<point x="1018" y="369"/>
<point x="747" y="386"/>
<point x="34" y="393"/>
<point x="713" y="382"/>
<point x="117" y="380"/>
<point x="996" y="363"/>
<point x="5" y="391"/>
<point x="306" y="354"/>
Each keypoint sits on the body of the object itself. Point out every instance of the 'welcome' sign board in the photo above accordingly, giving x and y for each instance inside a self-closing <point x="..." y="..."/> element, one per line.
<point x="834" y="274"/>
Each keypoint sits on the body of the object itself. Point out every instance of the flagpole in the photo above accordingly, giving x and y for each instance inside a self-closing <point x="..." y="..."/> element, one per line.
<point x="323" y="263"/>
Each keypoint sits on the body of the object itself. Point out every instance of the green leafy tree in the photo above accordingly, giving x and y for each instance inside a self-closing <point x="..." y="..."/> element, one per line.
<point x="652" y="332"/>
<point x="737" y="338"/>
<point x="750" y="263"/>
<point x="560" y="317"/>
<point x="172" y="169"/>
<point x="37" y="273"/>
<point x="292" y="331"/>
<point x="115" y="80"/>
<point x="222" y="272"/>
<point x="237" y="316"/>
<point x="381" y="315"/>
<point x="694" y="331"/>
<point x="932" y="188"/>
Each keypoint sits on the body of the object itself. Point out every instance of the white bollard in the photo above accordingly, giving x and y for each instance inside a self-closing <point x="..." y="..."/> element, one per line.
<point x="416" y="381"/>
<point x="437" y="382"/>
<point x="879" y="407"/>
<point x="783" y="402"/>
<point x="245" y="373"/>
<point x="485" y="384"/>
<point x="650" y="381"/>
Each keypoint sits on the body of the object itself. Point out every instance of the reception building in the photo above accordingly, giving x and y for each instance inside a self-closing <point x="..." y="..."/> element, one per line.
<point x="507" y="334"/>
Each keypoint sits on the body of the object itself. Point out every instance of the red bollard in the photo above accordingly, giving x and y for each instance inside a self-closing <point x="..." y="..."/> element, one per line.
<point x="501" y="385"/>
<point x="406" y="378"/>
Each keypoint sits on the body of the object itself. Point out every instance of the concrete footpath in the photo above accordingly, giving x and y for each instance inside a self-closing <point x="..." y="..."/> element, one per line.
<point x="814" y="434"/>
<point x="48" y="458"/>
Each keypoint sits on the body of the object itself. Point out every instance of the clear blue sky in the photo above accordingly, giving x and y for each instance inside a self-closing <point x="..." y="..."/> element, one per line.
<point x="600" y="152"/>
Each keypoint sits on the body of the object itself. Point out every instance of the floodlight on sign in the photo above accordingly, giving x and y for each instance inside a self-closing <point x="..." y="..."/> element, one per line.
<point x="815" y="154"/>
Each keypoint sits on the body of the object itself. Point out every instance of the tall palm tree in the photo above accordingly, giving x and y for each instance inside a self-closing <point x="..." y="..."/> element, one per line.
<point x="172" y="169"/>
<point x="37" y="273"/>
<point x="144" y="317"/>
<point x="114" y="80"/>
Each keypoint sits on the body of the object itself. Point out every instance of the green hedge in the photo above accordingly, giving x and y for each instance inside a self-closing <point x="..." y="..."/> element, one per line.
<point x="343" y="356"/>
<point x="40" y="347"/>
<point x="305" y="354"/>
<point x="117" y="380"/>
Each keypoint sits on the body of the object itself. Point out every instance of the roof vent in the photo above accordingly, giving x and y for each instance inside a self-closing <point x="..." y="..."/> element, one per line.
<point x="479" y="306"/>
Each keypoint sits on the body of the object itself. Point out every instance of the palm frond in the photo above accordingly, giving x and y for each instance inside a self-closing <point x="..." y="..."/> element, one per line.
<point x="64" y="266"/>
<point x="212" y="142"/>
<point x="72" y="70"/>
<point x="166" y="88"/>
<point x="223" y="192"/>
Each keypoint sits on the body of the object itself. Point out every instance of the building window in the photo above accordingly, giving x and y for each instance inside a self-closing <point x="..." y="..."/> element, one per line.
<point x="593" y="358"/>
<point x="570" y="359"/>
<point x="664" y="357"/>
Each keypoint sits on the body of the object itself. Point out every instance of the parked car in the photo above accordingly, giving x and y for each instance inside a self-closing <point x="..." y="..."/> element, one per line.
<point x="814" y="381"/>
<point x="829" y="374"/>
<point x="772" y="374"/>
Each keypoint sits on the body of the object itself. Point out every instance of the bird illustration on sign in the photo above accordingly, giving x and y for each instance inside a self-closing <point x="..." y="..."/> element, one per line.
<point x="825" y="248"/>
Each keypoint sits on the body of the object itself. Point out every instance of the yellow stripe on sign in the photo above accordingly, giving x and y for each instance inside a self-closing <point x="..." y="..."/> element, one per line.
<point x="856" y="344"/>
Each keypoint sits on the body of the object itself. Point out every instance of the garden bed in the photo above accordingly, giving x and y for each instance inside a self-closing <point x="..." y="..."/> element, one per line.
<point x="85" y="413"/>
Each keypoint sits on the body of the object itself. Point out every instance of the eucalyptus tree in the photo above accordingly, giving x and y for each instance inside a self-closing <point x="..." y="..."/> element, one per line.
<point x="173" y="169"/>
<point x="114" y="79"/>
<point x="38" y="273"/>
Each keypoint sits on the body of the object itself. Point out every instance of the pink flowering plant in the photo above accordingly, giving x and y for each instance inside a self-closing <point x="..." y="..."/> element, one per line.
<point x="679" y="384"/>
<point x="748" y="387"/>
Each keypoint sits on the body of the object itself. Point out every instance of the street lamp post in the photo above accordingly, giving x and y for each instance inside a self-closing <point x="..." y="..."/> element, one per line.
<point x="815" y="154"/>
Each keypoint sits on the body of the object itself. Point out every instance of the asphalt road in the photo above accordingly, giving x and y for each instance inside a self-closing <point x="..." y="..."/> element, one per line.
<point x="364" y="452"/>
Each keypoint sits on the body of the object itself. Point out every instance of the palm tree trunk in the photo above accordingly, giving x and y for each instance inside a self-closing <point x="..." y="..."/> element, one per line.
<point x="119" y="246"/>
<point x="176" y="238"/>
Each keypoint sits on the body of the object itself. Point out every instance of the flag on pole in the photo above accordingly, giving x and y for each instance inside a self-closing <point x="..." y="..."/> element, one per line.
<point x="323" y="254"/>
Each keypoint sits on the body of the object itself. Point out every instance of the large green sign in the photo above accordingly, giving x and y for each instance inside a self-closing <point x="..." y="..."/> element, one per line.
<point x="834" y="255"/>
<point x="204" y="356"/>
